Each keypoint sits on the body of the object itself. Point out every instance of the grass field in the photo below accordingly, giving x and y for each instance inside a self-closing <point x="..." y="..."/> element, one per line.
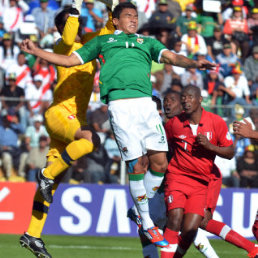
<point x="100" y="247"/>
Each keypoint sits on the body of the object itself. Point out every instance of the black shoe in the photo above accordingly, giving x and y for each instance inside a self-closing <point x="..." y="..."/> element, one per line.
<point x="35" y="245"/>
<point x="45" y="187"/>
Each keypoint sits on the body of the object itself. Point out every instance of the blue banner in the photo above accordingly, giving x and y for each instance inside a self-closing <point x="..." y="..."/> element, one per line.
<point x="100" y="210"/>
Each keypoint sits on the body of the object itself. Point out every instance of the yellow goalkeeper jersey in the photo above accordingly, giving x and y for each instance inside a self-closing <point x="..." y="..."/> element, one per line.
<point x="74" y="84"/>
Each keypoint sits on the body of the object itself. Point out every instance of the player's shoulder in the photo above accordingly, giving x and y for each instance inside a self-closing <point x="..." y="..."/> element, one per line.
<point x="214" y="120"/>
<point x="213" y="117"/>
<point x="178" y="119"/>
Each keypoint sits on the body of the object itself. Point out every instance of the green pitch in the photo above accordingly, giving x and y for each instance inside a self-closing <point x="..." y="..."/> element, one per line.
<point x="100" y="247"/>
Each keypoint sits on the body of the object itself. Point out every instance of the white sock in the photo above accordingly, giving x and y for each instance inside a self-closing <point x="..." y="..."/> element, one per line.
<point x="150" y="251"/>
<point x="140" y="199"/>
<point x="152" y="183"/>
<point x="202" y="243"/>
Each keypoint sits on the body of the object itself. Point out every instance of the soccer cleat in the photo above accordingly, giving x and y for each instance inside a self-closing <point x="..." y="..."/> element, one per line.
<point x="254" y="252"/>
<point x="45" y="186"/>
<point x="35" y="245"/>
<point x="111" y="4"/>
<point x="135" y="218"/>
<point x="155" y="237"/>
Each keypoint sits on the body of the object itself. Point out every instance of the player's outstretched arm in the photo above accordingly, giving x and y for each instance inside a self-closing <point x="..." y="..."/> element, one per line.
<point x="169" y="57"/>
<point x="245" y="129"/>
<point x="61" y="60"/>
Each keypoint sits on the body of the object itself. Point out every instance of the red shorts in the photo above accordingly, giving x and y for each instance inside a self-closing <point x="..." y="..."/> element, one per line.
<point x="186" y="193"/>
<point x="213" y="193"/>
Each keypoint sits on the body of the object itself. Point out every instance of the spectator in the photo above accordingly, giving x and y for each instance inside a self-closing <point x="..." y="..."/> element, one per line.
<point x="184" y="4"/>
<point x="202" y="55"/>
<point x="183" y="21"/>
<point x="162" y="18"/>
<point x="228" y="12"/>
<point x="10" y="152"/>
<point x="77" y="173"/>
<point x="37" y="158"/>
<point x="99" y="121"/>
<point x="216" y="42"/>
<point x="8" y="52"/>
<point x="44" y="18"/>
<point x="247" y="167"/>
<point x="112" y="171"/>
<point x="145" y="6"/>
<point x="226" y="60"/>
<point x="163" y="35"/>
<point x="207" y="24"/>
<point x="2" y="29"/>
<point x="227" y="167"/>
<point x="38" y="96"/>
<point x="47" y="71"/>
<point x="211" y="85"/>
<point x="237" y="90"/>
<point x="236" y="29"/>
<point x="193" y="42"/>
<point x="156" y="86"/>
<point x="95" y="101"/>
<point x="35" y="131"/>
<point x="192" y="77"/>
<point x="31" y="140"/>
<point x="97" y="165"/>
<point x="92" y="17"/>
<point x="11" y="90"/>
<point x="22" y="71"/>
<point x="13" y="15"/>
<point x="31" y="59"/>
<point x="52" y="5"/>
<point x="253" y="25"/>
<point x="251" y="72"/>
<point x="164" y="79"/>
<point x="177" y="48"/>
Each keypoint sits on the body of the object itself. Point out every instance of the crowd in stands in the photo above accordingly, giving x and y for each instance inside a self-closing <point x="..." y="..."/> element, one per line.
<point x="228" y="37"/>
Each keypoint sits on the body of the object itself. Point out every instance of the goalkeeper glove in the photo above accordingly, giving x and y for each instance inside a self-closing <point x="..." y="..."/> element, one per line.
<point x="77" y="4"/>
<point x="111" y="4"/>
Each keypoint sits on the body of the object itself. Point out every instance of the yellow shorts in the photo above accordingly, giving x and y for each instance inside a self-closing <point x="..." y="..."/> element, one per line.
<point x="61" y="125"/>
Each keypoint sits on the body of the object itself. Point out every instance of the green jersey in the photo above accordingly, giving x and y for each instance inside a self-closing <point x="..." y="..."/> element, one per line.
<point x="125" y="64"/>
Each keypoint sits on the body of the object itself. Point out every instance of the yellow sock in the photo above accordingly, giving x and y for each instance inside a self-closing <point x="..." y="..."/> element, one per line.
<point x="73" y="151"/>
<point x="39" y="214"/>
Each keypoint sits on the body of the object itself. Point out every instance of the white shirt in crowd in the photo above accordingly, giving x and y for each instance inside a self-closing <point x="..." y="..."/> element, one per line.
<point x="226" y="166"/>
<point x="241" y="89"/>
<point x="146" y="6"/>
<point x="201" y="43"/>
<point x="35" y="94"/>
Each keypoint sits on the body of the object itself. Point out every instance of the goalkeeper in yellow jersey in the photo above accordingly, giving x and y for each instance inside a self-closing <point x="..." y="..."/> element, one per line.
<point x="71" y="138"/>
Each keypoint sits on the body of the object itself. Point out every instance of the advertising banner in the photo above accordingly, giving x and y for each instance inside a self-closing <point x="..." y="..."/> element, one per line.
<point x="100" y="210"/>
<point x="15" y="206"/>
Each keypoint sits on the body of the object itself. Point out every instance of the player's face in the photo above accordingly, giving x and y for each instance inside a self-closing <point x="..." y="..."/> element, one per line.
<point x="172" y="105"/>
<point x="190" y="101"/>
<point x="128" y="21"/>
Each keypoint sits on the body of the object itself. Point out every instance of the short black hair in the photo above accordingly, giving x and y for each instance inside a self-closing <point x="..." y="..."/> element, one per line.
<point x="120" y="7"/>
<point x="169" y="91"/>
<point x="157" y="101"/>
<point x="195" y="89"/>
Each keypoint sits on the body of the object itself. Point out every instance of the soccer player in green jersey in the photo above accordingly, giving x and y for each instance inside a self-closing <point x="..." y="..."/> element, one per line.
<point x="125" y="86"/>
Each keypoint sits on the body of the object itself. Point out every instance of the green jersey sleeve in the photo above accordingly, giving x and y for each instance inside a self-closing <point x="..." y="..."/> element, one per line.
<point x="89" y="51"/>
<point x="156" y="49"/>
